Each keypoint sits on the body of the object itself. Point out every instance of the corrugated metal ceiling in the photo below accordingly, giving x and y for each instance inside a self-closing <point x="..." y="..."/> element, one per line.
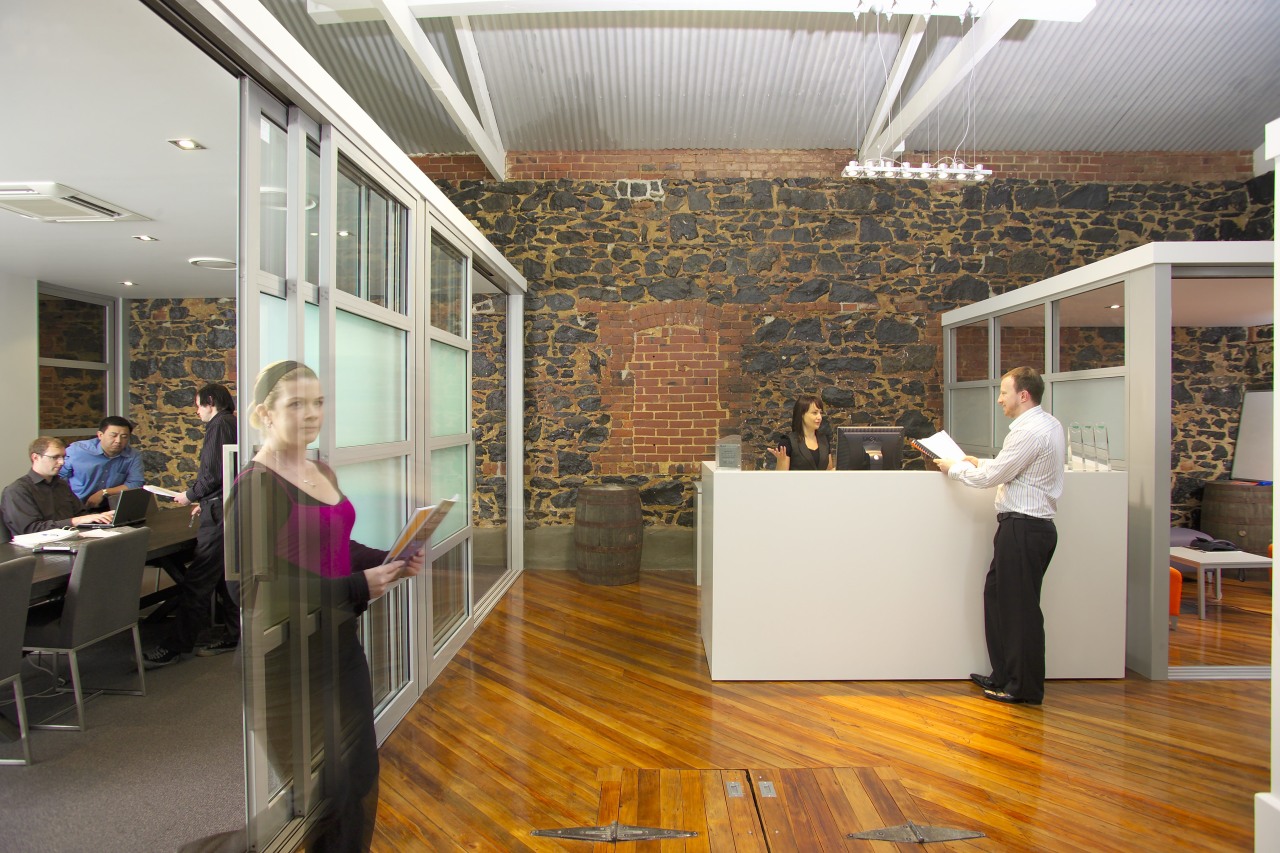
<point x="1135" y="75"/>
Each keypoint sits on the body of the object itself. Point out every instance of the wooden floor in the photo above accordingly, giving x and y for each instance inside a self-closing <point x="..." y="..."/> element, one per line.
<point x="564" y="679"/>
<point x="1236" y="631"/>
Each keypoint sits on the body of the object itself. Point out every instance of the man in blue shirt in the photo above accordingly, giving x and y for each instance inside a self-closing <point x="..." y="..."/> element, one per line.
<point x="106" y="465"/>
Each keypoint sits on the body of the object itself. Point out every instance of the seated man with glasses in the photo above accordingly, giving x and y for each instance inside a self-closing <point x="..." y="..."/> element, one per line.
<point x="40" y="499"/>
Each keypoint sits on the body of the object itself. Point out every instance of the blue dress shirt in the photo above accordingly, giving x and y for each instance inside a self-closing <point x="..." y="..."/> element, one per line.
<point x="88" y="469"/>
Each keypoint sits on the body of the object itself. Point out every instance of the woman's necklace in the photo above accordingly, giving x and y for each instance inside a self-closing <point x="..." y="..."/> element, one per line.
<point x="276" y="455"/>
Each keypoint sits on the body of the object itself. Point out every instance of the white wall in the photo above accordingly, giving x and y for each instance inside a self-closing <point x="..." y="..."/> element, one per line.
<point x="19" y="349"/>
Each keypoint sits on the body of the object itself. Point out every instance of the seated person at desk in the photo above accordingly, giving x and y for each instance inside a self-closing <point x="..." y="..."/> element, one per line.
<point x="807" y="447"/>
<point x="106" y="465"/>
<point x="40" y="499"/>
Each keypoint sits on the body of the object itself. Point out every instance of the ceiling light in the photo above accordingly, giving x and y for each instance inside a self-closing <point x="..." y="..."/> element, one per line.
<point x="884" y="167"/>
<point x="212" y="263"/>
<point x="1115" y="306"/>
<point x="344" y="233"/>
<point x="187" y="144"/>
<point x="146" y="238"/>
<point x="129" y="283"/>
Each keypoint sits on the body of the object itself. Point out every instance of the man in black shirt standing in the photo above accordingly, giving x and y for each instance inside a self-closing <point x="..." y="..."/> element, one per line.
<point x="205" y="575"/>
<point x="40" y="499"/>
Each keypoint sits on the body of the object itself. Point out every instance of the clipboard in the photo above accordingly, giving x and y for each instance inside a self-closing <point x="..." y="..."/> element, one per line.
<point x="417" y="531"/>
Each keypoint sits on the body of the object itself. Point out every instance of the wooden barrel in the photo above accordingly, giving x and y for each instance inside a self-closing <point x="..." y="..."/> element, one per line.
<point x="608" y="531"/>
<point x="1239" y="512"/>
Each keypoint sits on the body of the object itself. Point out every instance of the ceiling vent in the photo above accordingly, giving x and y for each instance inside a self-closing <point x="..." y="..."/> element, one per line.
<point x="49" y="202"/>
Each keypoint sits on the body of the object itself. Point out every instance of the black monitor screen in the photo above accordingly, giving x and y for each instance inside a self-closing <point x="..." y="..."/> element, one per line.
<point x="869" y="448"/>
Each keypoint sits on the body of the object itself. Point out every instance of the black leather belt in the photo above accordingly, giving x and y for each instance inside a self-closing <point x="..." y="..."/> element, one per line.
<point x="1005" y="516"/>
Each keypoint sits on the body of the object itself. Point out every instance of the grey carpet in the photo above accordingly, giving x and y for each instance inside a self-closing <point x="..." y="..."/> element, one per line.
<point x="150" y="773"/>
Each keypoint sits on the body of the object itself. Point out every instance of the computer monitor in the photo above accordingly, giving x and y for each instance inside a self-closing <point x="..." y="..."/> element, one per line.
<point x="869" y="448"/>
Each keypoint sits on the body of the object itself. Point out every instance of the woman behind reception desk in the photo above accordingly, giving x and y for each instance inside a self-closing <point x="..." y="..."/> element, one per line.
<point x="808" y="446"/>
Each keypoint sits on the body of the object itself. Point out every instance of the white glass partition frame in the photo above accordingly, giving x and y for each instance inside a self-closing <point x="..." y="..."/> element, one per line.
<point x="999" y="423"/>
<point x="280" y="816"/>
<point x="438" y="656"/>
<point x="391" y="709"/>
<point x="969" y="428"/>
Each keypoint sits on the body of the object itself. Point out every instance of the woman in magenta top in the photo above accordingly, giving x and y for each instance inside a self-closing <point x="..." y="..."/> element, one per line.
<point x="292" y="528"/>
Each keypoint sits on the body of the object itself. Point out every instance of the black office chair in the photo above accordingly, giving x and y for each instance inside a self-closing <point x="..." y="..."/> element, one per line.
<point x="101" y="601"/>
<point x="15" y="594"/>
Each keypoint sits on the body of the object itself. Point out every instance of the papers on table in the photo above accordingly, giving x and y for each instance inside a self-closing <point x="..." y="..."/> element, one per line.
<point x="42" y="537"/>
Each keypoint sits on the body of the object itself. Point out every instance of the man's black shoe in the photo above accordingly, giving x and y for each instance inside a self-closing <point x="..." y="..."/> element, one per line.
<point x="158" y="657"/>
<point x="1007" y="698"/>
<point x="986" y="682"/>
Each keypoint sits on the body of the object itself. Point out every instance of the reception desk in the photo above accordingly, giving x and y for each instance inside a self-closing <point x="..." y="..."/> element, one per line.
<point x="871" y="575"/>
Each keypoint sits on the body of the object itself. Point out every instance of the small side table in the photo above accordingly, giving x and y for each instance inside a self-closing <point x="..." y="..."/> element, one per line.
<point x="1214" y="561"/>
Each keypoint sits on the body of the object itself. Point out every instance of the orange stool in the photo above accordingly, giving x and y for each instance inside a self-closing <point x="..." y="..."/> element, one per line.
<point x="1175" y="596"/>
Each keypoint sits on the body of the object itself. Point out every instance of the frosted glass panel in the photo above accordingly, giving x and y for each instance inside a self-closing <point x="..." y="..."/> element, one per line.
<point x="379" y="491"/>
<point x="371" y="387"/>
<point x="448" y="478"/>
<point x="1094" y="401"/>
<point x="273" y="332"/>
<point x="449" y="407"/>
<point x="971" y="416"/>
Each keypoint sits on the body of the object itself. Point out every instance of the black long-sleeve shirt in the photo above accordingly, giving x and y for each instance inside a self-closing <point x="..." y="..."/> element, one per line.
<point x="32" y="503"/>
<point x="220" y="430"/>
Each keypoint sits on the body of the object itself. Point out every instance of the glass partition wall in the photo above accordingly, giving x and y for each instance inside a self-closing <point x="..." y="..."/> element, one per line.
<point x="345" y="267"/>
<point x="1076" y="341"/>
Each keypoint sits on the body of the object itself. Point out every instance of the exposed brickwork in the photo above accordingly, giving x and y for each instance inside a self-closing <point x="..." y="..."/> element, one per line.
<point x="175" y="346"/>
<point x="1212" y="367"/>
<point x="819" y="286"/>
<point x="1182" y="167"/>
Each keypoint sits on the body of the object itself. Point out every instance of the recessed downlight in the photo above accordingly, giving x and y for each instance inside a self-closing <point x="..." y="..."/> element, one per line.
<point x="146" y="238"/>
<point x="187" y="144"/>
<point x="212" y="263"/>
<point x="129" y="283"/>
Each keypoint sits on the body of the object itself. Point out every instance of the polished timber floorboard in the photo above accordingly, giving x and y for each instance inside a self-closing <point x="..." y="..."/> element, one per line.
<point x="1236" y="631"/>
<point x="564" y="680"/>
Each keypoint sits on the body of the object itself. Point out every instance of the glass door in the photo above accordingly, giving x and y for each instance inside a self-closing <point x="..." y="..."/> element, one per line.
<point x="327" y="262"/>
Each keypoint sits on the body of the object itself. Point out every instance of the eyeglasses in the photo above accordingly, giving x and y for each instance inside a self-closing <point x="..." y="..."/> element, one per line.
<point x="61" y="456"/>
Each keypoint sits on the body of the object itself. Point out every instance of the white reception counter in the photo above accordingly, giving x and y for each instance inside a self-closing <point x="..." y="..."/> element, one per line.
<point x="869" y="575"/>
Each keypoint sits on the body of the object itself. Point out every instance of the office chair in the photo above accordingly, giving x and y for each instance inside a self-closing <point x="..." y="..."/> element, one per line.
<point x="15" y="595"/>
<point x="101" y="601"/>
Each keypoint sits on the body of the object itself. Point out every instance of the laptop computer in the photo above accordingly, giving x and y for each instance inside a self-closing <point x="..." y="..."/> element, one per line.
<point x="131" y="508"/>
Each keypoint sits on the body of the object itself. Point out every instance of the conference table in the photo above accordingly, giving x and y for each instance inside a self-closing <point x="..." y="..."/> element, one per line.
<point x="173" y="539"/>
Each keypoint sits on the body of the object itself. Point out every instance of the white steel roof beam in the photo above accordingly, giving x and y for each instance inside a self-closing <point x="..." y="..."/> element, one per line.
<point x="985" y="34"/>
<point x="475" y="74"/>
<point x="404" y="27"/>
<point x="340" y="11"/>
<point x="893" y="85"/>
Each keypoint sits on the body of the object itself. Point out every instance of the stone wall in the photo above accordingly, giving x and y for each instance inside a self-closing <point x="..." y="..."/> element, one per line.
<point x="1212" y="367"/>
<point x="664" y="313"/>
<point x="489" y="401"/>
<point x="175" y="347"/>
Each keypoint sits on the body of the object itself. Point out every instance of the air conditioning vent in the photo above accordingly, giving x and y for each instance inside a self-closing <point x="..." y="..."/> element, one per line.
<point x="51" y="202"/>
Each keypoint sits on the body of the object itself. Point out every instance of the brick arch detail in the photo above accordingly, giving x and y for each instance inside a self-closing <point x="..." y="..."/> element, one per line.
<point x="667" y="386"/>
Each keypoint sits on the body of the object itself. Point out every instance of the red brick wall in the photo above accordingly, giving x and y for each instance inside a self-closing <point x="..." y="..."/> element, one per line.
<point x="688" y="164"/>
<point x="666" y="384"/>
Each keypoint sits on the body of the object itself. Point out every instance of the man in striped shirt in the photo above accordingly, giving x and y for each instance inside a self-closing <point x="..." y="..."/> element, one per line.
<point x="1028" y="475"/>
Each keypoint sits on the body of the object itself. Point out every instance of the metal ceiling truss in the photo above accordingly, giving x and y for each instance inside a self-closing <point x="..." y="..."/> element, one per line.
<point x="885" y="132"/>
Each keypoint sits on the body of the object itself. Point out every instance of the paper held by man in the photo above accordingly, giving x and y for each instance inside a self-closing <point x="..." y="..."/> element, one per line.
<point x="417" y="531"/>
<point x="941" y="446"/>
